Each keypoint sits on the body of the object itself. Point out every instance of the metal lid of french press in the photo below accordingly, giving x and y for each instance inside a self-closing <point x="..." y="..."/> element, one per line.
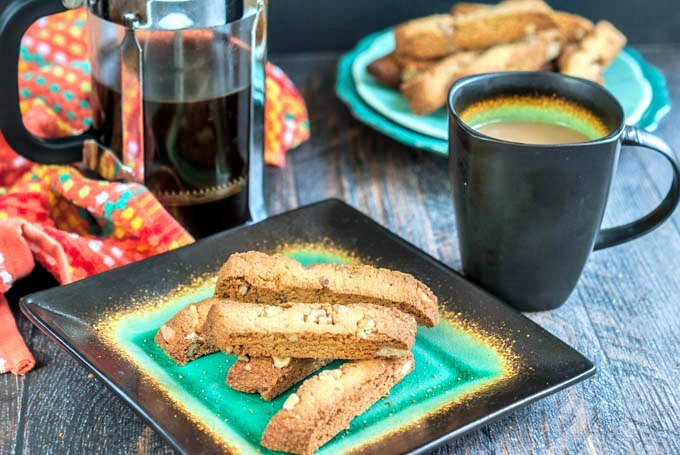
<point x="164" y="14"/>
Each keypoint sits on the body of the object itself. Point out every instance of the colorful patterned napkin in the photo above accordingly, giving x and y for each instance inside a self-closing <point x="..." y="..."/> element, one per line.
<point x="74" y="226"/>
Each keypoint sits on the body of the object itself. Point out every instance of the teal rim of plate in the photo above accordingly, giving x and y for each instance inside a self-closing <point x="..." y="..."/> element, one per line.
<point x="660" y="103"/>
<point x="236" y="420"/>
<point x="345" y="89"/>
<point x="646" y="111"/>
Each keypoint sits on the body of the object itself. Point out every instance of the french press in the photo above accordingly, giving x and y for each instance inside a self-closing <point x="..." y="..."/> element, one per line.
<point x="178" y="90"/>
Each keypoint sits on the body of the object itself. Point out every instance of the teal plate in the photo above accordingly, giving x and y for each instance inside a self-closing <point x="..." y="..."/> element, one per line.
<point x="482" y="360"/>
<point x="639" y="86"/>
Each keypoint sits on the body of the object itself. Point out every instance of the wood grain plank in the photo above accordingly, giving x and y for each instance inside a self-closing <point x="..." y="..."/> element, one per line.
<point x="654" y="258"/>
<point x="638" y="285"/>
<point x="14" y="390"/>
<point x="70" y="412"/>
<point x="435" y="187"/>
<point x="315" y="178"/>
<point x="12" y="394"/>
<point x="279" y="189"/>
<point x="657" y="170"/>
<point x="412" y="220"/>
<point x="62" y="409"/>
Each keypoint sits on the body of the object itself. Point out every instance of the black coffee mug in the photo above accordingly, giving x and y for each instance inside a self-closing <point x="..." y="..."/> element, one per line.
<point x="529" y="215"/>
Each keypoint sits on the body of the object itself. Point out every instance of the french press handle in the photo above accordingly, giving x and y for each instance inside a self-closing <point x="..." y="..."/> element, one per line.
<point x="15" y="19"/>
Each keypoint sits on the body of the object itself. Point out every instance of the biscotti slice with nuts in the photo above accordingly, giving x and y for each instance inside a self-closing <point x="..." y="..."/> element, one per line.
<point x="325" y="404"/>
<point x="526" y="55"/>
<point x="310" y="331"/>
<point x="427" y="91"/>
<point x="181" y="337"/>
<point x="277" y="279"/>
<point x="572" y="26"/>
<point x="594" y="53"/>
<point x="271" y="376"/>
<point x="367" y="284"/>
<point x="443" y="34"/>
<point x="504" y="23"/>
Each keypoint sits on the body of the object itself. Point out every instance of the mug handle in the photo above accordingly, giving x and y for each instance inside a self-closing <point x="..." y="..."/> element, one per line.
<point x="620" y="234"/>
<point x="15" y="19"/>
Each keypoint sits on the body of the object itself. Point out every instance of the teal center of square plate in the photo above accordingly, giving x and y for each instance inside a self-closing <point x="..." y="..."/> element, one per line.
<point x="450" y="363"/>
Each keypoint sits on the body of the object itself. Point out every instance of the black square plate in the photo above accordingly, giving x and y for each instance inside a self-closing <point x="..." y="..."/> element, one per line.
<point x="483" y="360"/>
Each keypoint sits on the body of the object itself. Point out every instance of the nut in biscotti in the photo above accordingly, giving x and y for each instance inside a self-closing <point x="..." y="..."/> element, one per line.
<point x="276" y="280"/>
<point x="325" y="404"/>
<point x="181" y="337"/>
<point x="319" y="331"/>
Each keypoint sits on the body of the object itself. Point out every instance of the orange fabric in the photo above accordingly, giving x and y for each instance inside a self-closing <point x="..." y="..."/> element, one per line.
<point x="74" y="227"/>
<point x="14" y="355"/>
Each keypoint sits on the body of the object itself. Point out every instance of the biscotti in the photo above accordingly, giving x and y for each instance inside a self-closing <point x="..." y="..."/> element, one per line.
<point x="317" y="331"/>
<point x="182" y="338"/>
<point x="325" y="404"/>
<point x="276" y="279"/>
<point x="411" y="67"/>
<point x="504" y="23"/>
<point x="573" y="27"/>
<point x="386" y="70"/>
<point x="426" y="37"/>
<point x="428" y="91"/>
<point x="463" y="8"/>
<point x="591" y="56"/>
<point x="528" y="55"/>
<point x="392" y="69"/>
<point x="269" y="376"/>
<point x="442" y="34"/>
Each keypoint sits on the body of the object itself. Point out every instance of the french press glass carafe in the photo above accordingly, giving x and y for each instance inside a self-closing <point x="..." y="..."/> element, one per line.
<point x="177" y="102"/>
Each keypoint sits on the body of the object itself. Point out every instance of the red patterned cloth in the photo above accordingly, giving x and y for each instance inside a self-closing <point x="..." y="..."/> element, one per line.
<point x="74" y="226"/>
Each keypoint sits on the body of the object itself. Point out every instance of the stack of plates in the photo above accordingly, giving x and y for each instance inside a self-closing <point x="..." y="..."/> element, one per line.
<point x="639" y="86"/>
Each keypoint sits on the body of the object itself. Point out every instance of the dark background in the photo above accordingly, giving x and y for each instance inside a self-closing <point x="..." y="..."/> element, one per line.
<point x="328" y="25"/>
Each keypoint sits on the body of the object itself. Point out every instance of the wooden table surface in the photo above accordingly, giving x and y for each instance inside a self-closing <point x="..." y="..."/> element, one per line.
<point x="624" y="314"/>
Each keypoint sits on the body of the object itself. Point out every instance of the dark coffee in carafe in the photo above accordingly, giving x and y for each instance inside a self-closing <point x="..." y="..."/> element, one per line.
<point x="195" y="155"/>
<point x="195" y="125"/>
<point x="178" y="100"/>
